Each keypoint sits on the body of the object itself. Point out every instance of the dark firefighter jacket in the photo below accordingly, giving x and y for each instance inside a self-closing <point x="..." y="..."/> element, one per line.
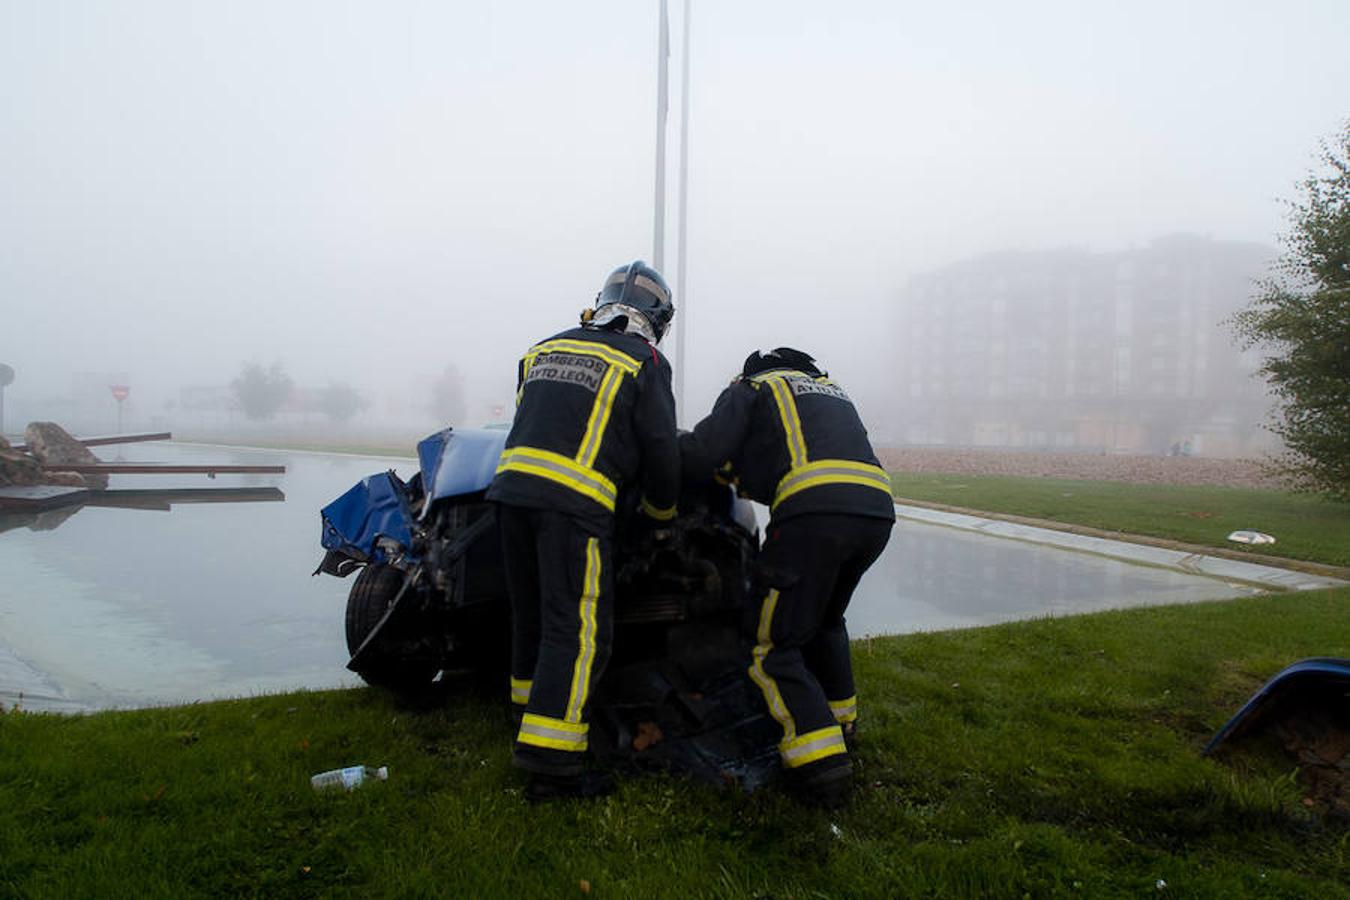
<point x="794" y="442"/>
<point x="594" y="408"/>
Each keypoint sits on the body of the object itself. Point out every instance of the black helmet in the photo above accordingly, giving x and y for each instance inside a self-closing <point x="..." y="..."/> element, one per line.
<point x="779" y="358"/>
<point x="638" y="294"/>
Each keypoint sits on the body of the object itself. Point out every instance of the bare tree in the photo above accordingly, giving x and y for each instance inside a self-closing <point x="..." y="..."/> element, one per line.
<point x="261" y="392"/>
<point x="447" y="397"/>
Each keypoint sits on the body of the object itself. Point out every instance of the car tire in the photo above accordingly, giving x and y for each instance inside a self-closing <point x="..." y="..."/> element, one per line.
<point x="388" y="665"/>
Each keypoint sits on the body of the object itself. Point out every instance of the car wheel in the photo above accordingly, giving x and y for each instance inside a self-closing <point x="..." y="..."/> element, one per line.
<point x="389" y="663"/>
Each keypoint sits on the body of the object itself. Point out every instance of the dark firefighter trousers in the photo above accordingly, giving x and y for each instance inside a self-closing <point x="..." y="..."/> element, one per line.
<point x="561" y="583"/>
<point x="804" y="578"/>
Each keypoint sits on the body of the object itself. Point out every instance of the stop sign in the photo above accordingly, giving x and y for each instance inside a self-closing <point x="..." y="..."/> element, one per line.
<point x="119" y="391"/>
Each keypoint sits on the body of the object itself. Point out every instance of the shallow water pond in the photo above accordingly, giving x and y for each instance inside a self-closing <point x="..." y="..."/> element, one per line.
<point x="111" y="607"/>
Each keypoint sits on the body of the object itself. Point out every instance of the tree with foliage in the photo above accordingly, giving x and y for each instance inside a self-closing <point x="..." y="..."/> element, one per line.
<point x="340" y="401"/>
<point x="261" y="392"/>
<point x="1302" y="314"/>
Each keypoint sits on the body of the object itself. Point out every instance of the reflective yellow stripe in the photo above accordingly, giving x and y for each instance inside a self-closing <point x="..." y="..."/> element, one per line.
<point x="526" y="363"/>
<point x="578" y="473"/>
<point x="586" y="348"/>
<point x="554" y="734"/>
<point x="656" y="512"/>
<point x="831" y="471"/>
<point x="564" y="471"/>
<point x="845" y="710"/>
<point x="520" y="690"/>
<point x="814" y="745"/>
<point x="764" y="643"/>
<point x="599" y="420"/>
<point x="581" y="670"/>
<point x="792" y="424"/>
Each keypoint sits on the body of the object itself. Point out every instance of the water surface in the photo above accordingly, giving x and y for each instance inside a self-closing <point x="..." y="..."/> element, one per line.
<point x="122" y="607"/>
<point x="103" y="608"/>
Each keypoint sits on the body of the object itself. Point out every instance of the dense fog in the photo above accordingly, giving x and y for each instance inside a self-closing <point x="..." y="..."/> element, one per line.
<point x="401" y="197"/>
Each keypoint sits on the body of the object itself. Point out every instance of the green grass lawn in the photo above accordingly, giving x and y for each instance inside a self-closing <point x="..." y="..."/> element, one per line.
<point x="1305" y="527"/>
<point x="1046" y="758"/>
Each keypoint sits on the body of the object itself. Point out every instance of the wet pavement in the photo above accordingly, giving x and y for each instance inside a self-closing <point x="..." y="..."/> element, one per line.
<point x="110" y="608"/>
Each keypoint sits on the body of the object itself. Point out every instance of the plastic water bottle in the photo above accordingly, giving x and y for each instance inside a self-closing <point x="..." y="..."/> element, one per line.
<point x="347" y="778"/>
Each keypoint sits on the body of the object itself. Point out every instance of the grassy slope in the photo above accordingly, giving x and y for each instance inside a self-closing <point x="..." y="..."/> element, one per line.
<point x="1053" y="757"/>
<point x="1305" y="527"/>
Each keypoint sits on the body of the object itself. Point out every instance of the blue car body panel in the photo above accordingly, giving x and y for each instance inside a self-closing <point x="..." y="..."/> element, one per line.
<point x="454" y="462"/>
<point x="1308" y="677"/>
<point x="459" y="461"/>
<point x="376" y="506"/>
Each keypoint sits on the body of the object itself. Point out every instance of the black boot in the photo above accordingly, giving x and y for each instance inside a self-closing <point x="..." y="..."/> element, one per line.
<point x="826" y="784"/>
<point x="850" y="730"/>
<point x="540" y="788"/>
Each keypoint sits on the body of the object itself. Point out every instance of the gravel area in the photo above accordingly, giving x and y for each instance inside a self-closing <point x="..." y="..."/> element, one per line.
<point x="1086" y="466"/>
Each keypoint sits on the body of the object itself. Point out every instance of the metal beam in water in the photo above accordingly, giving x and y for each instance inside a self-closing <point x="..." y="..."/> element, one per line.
<point x="162" y="499"/>
<point x="104" y="440"/>
<point x="162" y="469"/>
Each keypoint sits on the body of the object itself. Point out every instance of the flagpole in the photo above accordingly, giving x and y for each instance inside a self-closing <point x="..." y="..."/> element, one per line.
<point x="682" y="268"/>
<point x="662" y="102"/>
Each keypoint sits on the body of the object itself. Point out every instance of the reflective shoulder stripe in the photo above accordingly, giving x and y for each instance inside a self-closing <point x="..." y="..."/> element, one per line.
<point x="655" y="512"/>
<point x="553" y="734"/>
<point x="587" y="348"/>
<point x="814" y="745"/>
<point x="831" y="471"/>
<point x="525" y="365"/>
<point x="787" y="412"/>
<point x="772" y="374"/>
<point x="520" y="691"/>
<point x="558" y="468"/>
<point x="845" y="710"/>
<point x="787" y="373"/>
<point x="599" y="420"/>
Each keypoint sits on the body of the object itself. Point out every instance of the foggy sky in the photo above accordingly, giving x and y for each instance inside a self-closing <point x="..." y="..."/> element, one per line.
<point x="367" y="191"/>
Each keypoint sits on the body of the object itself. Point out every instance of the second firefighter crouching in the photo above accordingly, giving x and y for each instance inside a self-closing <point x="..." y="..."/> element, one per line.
<point x="789" y="437"/>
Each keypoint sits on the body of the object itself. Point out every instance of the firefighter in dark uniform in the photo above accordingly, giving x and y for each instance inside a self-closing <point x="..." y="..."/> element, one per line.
<point x="789" y="437"/>
<point x="594" y="430"/>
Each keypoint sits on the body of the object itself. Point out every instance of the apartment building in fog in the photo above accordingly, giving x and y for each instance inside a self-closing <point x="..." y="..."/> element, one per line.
<point x="1109" y="352"/>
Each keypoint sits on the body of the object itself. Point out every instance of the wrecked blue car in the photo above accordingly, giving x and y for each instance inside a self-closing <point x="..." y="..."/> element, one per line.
<point x="429" y="601"/>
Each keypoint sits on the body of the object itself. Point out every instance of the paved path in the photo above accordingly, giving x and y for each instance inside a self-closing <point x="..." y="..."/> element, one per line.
<point x="1189" y="561"/>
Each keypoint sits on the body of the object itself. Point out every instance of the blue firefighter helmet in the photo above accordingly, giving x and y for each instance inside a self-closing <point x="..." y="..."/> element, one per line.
<point x="638" y="294"/>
